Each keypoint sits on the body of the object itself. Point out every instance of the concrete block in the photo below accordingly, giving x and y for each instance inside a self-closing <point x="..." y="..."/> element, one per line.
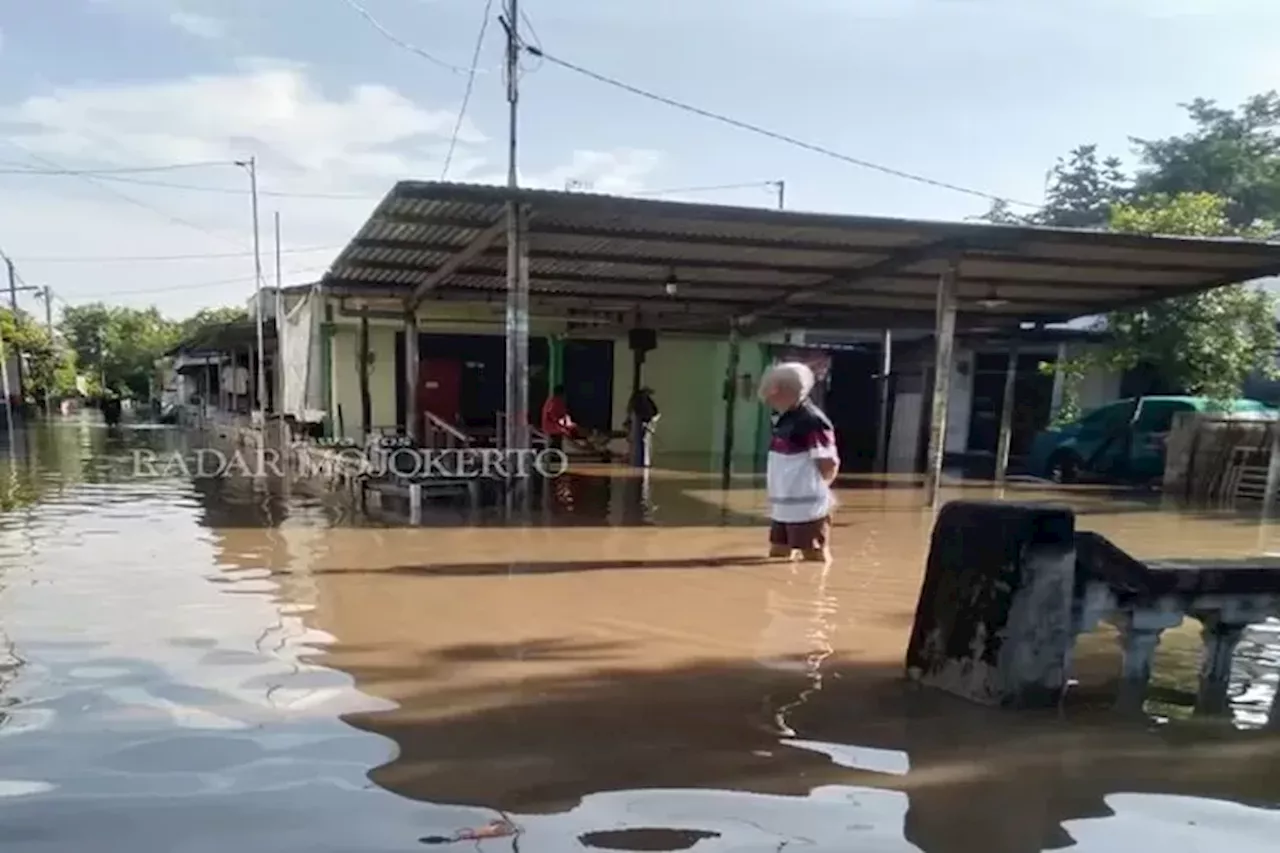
<point x="994" y="622"/>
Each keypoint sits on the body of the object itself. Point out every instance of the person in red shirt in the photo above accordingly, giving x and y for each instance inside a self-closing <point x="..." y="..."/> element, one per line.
<point x="556" y="422"/>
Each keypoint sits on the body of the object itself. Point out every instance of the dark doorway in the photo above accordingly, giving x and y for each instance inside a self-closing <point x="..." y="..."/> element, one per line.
<point x="1033" y="403"/>
<point x="440" y="388"/>
<point x="588" y="381"/>
<point x="853" y="405"/>
<point x="481" y="379"/>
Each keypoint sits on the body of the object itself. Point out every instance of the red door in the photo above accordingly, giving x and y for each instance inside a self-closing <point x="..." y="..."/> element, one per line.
<point x="440" y="388"/>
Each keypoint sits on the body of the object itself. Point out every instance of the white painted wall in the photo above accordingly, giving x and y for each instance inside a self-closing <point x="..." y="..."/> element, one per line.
<point x="960" y="406"/>
<point x="11" y="369"/>
<point x="905" y="432"/>
<point x="1097" y="388"/>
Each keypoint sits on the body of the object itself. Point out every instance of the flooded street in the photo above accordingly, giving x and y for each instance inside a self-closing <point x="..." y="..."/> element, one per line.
<point x="207" y="666"/>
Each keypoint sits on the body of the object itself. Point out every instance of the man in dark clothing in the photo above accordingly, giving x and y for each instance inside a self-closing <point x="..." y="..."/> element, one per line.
<point x="642" y="416"/>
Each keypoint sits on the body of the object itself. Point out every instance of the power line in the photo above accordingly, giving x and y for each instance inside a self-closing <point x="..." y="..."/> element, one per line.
<point x="401" y="43"/>
<point x="780" y="137"/>
<point x="115" y="171"/>
<point x="356" y="197"/>
<point x="122" y="196"/>
<point x="197" y="256"/>
<point x="708" y="189"/>
<point x="466" y="93"/>
<point x="245" y="279"/>
<point x="235" y="191"/>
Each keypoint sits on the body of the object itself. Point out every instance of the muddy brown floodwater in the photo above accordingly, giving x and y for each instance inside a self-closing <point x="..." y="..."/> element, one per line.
<point x="209" y="666"/>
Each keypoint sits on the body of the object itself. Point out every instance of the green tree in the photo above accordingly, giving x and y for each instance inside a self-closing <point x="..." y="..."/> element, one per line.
<point x="1220" y="178"/>
<point x="1206" y="343"/>
<point x="1233" y="154"/>
<point x="118" y="346"/>
<point x="1081" y="189"/>
<point x="208" y="318"/>
<point x="52" y="368"/>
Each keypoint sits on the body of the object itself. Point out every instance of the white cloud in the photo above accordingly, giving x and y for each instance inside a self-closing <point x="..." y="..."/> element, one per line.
<point x="266" y="107"/>
<point x="614" y="172"/>
<point x="308" y="140"/>
<point x="200" y="26"/>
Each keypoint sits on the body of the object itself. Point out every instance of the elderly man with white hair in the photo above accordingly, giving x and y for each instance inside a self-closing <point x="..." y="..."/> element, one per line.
<point x="803" y="463"/>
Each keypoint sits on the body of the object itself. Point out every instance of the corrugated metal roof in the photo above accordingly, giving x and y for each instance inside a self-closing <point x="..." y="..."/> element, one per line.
<point x="618" y="254"/>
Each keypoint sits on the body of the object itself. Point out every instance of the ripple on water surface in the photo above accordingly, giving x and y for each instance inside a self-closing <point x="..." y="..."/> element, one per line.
<point x="206" y="666"/>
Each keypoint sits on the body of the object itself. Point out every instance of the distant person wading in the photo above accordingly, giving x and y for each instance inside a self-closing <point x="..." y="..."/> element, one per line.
<point x="556" y="422"/>
<point x="642" y="417"/>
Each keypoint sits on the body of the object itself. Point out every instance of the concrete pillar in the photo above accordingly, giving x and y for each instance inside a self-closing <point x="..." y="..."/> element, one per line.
<point x="1220" y="641"/>
<point x="250" y="384"/>
<point x="415" y="503"/>
<point x="944" y="334"/>
<point x="1006" y="414"/>
<point x="327" y="384"/>
<point x="516" y="407"/>
<point x="412" y="361"/>
<point x="884" y="382"/>
<point x="555" y="362"/>
<point x="1059" y="383"/>
<point x="994" y="621"/>
<point x="362" y="356"/>
<point x="1139" y="637"/>
<point x="730" y="404"/>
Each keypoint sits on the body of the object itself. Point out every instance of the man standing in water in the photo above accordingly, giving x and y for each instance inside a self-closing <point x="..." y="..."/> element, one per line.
<point x="803" y="463"/>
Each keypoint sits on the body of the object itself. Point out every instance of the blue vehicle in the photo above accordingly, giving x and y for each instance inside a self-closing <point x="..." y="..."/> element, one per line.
<point x="1124" y="440"/>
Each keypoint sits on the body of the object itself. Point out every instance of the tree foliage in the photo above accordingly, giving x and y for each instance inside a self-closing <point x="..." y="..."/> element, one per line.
<point x="208" y="318"/>
<point x="1222" y="178"/>
<point x="52" y="368"/>
<point x="1233" y="154"/>
<point x="117" y="347"/>
<point x="1207" y="343"/>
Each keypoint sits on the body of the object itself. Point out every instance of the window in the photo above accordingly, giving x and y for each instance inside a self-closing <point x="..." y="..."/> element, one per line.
<point x="1158" y="415"/>
<point x="1109" y="417"/>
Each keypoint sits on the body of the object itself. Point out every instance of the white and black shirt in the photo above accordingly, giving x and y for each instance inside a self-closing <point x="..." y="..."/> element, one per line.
<point x="797" y="492"/>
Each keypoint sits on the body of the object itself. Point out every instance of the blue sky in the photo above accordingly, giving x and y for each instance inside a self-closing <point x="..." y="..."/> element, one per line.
<point x="982" y="93"/>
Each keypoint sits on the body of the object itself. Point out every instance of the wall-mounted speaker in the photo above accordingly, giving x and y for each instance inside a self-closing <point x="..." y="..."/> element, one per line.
<point x="642" y="340"/>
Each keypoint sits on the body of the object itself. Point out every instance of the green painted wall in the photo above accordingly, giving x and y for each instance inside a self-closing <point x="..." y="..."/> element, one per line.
<point x="687" y="377"/>
<point x="382" y="375"/>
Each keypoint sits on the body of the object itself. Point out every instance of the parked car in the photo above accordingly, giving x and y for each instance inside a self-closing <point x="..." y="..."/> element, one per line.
<point x="1124" y="440"/>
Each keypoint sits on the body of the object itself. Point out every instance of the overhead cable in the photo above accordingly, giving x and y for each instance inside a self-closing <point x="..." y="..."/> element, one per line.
<point x="401" y="43"/>
<point x="466" y="93"/>
<point x="780" y="137"/>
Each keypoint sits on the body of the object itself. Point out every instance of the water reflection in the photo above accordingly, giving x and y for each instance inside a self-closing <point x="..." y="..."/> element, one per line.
<point x="194" y="666"/>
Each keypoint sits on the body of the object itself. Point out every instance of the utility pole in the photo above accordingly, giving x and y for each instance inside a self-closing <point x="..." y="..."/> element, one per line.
<point x="252" y="166"/>
<point x="516" y="424"/>
<point x="279" y="362"/>
<point x="8" y="397"/>
<point x="782" y="194"/>
<point x="48" y="324"/>
<point x="13" y="303"/>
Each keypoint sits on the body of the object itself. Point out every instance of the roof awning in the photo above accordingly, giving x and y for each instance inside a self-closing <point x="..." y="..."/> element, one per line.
<point x="226" y="337"/>
<point x="609" y="256"/>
